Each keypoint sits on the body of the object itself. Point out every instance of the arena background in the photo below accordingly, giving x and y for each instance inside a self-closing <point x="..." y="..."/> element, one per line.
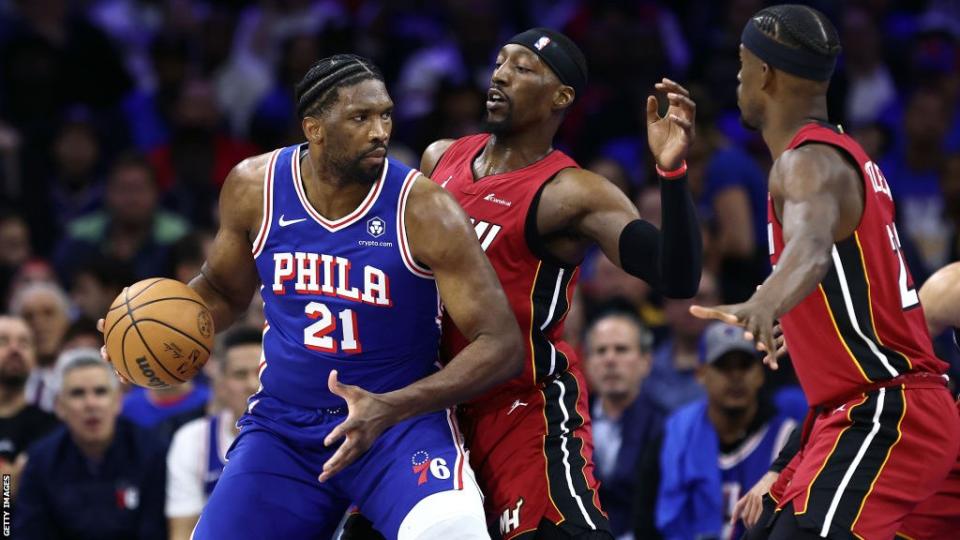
<point x="132" y="112"/>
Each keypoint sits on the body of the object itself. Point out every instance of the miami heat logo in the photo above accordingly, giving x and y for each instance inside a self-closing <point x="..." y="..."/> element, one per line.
<point x="421" y="464"/>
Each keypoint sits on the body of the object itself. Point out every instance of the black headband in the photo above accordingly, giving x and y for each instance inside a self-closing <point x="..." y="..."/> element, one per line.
<point x="555" y="51"/>
<point x="799" y="62"/>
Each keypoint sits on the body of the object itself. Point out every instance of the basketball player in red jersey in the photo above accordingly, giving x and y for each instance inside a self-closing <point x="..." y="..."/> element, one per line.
<point x="536" y="213"/>
<point x="885" y="432"/>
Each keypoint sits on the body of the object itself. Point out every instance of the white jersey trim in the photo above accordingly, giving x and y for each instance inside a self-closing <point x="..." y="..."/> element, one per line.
<point x="347" y="220"/>
<point x="408" y="260"/>
<point x="265" y="223"/>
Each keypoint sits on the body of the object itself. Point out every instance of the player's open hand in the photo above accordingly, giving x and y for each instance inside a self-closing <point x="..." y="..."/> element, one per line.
<point x="106" y="357"/>
<point x="670" y="137"/>
<point x="750" y="506"/>
<point x="367" y="417"/>
<point x="756" y="319"/>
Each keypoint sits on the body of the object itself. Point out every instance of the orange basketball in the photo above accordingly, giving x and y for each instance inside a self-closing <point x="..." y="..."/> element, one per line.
<point x="158" y="333"/>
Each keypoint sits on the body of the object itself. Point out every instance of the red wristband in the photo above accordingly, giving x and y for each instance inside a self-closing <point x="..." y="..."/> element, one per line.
<point x="674" y="174"/>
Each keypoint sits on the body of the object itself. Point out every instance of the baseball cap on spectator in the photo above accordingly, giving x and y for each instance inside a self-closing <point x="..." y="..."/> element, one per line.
<point x="722" y="338"/>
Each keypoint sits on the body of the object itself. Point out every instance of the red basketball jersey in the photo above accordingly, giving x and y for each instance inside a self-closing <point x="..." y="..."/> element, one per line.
<point x="863" y="323"/>
<point x="539" y="292"/>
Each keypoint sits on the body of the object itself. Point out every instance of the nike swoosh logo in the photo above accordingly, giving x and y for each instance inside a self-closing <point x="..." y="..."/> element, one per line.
<point x="444" y="184"/>
<point x="284" y="223"/>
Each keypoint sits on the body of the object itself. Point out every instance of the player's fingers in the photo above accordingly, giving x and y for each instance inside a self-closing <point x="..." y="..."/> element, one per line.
<point x="668" y="85"/>
<point x="100" y="325"/>
<point x="336" y="462"/>
<point x="682" y="122"/>
<point x="682" y="101"/>
<point x="752" y="511"/>
<point x="652" y="115"/>
<point x="738" y="509"/>
<point x="335" y="385"/>
<point x="340" y="431"/>
<point x="717" y="313"/>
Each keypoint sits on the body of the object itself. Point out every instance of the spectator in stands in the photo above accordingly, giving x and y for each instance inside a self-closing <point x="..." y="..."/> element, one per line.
<point x="713" y="449"/>
<point x="188" y="254"/>
<point x="132" y="229"/>
<point x="46" y="309"/>
<point x="99" y="477"/>
<point x="20" y="423"/>
<point x="15" y="239"/>
<point x="200" y="154"/>
<point x="96" y="285"/>
<point x="198" y="451"/>
<point x="624" y="421"/>
<point x="672" y="381"/>
<point x="82" y="334"/>
<point x="77" y="186"/>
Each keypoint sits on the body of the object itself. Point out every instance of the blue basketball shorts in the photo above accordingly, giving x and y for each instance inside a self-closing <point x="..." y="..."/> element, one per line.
<point x="270" y="487"/>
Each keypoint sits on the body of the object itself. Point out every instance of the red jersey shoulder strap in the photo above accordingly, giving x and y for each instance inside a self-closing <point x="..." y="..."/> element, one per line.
<point x="461" y="149"/>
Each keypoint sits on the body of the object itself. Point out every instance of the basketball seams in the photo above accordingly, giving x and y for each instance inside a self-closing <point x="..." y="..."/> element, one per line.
<point x="123" y="355"/>
<point x="143" y="290"/>
<point x="188" y="299"/>
<point x="149" y="350"/>
<point x="175" y="329"/>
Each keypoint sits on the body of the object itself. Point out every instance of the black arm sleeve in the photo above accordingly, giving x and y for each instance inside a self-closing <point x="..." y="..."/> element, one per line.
<point x="670" y="260"/>
<point x="789" y="450"/>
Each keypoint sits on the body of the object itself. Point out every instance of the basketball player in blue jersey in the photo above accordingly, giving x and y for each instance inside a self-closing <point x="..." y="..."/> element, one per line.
<point x="353" y="253"/>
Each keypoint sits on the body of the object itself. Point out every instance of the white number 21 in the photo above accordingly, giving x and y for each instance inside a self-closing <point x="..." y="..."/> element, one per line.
<point x="316" y="336"/>
<point x="908" y="295"/>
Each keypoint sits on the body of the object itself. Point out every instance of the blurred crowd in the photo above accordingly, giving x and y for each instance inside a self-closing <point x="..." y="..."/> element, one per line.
<point x="119" y="120"/>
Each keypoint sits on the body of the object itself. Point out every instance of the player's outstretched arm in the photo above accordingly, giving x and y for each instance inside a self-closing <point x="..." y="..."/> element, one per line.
<point x="442" y="239"/>
<point x="228" y="278"/>
<point x="815" y="184"/>
<point x="668" y="259"/>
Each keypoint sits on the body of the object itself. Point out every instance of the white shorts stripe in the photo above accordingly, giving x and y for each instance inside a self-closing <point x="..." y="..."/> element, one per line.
<point x="564" y="436"/>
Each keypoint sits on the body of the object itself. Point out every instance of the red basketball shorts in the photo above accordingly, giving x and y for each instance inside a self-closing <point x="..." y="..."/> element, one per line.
<point x="532" y="453"/>
<point x="869" y="462"/>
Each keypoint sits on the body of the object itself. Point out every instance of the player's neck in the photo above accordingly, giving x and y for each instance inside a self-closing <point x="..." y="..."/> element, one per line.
<point x="731" y="426"/>
<point x="784" y="121"/>
<point x="509" y="152"/>
<point x="328" y="192"/>
<point x="12" y="401"/>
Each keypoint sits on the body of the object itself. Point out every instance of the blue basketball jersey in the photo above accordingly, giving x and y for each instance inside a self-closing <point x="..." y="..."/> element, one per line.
<point x="745" y="465"/>
<point x="341" y="294"/>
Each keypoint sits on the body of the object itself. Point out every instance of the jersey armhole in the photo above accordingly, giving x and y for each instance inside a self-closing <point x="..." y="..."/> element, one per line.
<point x="406" y="254"/>
<point x="532" y="236"/>
<point x="265" y="222"/>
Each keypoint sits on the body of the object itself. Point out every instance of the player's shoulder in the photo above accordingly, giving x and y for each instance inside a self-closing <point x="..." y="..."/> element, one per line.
<point x="249" y="173"/>
<point x="813" y="164"/>
<point x="574" y="187"/>
<point x="431" y="156"/>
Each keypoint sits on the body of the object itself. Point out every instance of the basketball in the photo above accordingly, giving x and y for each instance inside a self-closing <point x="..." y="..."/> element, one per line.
<point x="158" y="333"/>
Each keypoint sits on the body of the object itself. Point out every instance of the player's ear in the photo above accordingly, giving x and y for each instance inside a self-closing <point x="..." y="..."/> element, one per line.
<point x="312" y="129"/>
<point x="563" y="97"/>
<point x="766" y="75"/>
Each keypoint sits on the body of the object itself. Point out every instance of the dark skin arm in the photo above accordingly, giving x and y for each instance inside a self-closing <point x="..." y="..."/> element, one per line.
<point x="441" y="238"/>
<point x="578" y="208"/>
<point x="813" y="191"/>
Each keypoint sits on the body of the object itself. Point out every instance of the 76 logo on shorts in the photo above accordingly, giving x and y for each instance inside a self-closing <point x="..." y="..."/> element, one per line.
<point x="422" y="463"/>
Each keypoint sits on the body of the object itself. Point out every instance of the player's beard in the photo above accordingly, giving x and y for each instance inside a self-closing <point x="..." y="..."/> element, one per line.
<point x="501" y="126"/>
<point x="356" y="171"/>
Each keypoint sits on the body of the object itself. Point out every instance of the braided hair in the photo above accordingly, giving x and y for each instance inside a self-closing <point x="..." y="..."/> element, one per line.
<point x="318" y="88"/>
<point x="800" y="27"/>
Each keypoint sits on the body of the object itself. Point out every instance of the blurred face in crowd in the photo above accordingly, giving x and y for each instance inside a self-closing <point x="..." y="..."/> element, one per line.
<point x="196" y="109"/>
<point x="677" y="312"/>
<point x="76" y="150"/>
<point x="356" y="130"/>
<point x="92" y="297"/>
<point x="18" y="354"/>
<point x="240" y="376"/>
<point x="732" y="381"/>
<point x="132" y="195"/>
<point x="47" y="316"/>
<point x="926" y="119"/>
<point x="610" y="281"/>
<point x="749" y="90"/>
<point x="15" y="239"/>
<point x="523" y="91"/>
<point x="89" y="403"/>
<point x="616" y="362"/>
